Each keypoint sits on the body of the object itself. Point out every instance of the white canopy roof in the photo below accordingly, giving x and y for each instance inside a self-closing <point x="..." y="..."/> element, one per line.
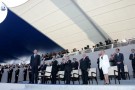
<point x="77" y="23"/>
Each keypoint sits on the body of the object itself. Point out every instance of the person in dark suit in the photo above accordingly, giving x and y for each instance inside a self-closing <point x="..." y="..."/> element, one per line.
<point x="30" y="74"/>
<point x="1" y="72"/>
<point x="35" y="64"/>
<point x="43" y="68"/>
<point x="75" y="64"/>
<point x="132" y="58"/>
<point x="17" y="74"/>
<point x="85" y="66"/>
<point x="112" y="61"/>
<point x="101" y="75"/>
<point x="10" y="71"/>
<point x="54" y="70"/>
<point x="62" y="65"/>
<point x="68" y="69"/>
<point x="24" y="73"/>
<point x="119" y="58"/>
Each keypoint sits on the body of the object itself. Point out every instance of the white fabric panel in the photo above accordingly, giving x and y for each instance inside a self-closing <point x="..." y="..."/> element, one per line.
<point x="62" y="21"/>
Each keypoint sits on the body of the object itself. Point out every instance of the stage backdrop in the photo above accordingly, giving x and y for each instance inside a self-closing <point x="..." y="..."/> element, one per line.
<point x="18" y="39"/>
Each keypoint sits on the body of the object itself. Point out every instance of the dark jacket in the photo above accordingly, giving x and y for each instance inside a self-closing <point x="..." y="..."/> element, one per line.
<point x="98" y="62"/>
<point x="62" y="67"/>
<point x="43" y="67"/>
<point x="10" y="71"/>
<point x="131" y="57"/>
<point x="75" y="65"/>
<point x="54" y="66"/>
<point x="35" y="61"/>
<point x="1" y="71"/>
<point x="85" y="63"/>
<point x="68" y="66"/>
<point x="119" y="58"/>
<point x="17" y="72"/>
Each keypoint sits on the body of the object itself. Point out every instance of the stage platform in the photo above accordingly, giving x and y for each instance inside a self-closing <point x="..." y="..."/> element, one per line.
<point x="125" y="85"/>
<point x="5" y="86"/>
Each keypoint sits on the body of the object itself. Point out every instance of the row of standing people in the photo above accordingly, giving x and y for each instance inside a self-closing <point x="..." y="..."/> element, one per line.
<point x="84" y="65"/>
<point x="67" y="66"/>
<point x="10" y="73"/>
<point x="116" y="59"/>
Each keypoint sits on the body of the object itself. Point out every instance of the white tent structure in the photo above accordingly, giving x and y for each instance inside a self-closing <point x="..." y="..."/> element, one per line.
<point x="77" y="23"/>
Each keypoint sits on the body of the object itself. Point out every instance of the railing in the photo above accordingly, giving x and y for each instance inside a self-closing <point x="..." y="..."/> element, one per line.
<point x="105" y="47"/>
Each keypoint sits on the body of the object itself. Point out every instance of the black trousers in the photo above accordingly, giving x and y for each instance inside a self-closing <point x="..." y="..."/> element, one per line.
<point x="85" y="76"/>
<point x="9" y="78"/>
<point x="16" y="78"/>
<point x="30" y="78"/>
<point x="34" y="78"/>
<point x="53" y="77"/>
<point x="0" y="77"/>
<point x="24" y="77"/>
<point x="67" y="76"/>
<point x="43" y="79"/>
<point x="101" y="75"/>
<point x="133" y="66"/>
<point x="121" y="74"/>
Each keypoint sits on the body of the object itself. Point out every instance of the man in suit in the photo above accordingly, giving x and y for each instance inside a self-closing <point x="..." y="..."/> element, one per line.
<point x="54" y="70"/>
<point x="30" y="74"/>
<point x="10" y="71"/>
<point x="119" y="58"/>
<point x="24" y="73"/>
<point x="17" y="74"/>
<point x="75" y="64"/>
<point x="62" y="65"/>
<point x="68" y="69"/>
<point x="1" y="72"/>
<point x="85" y="66"/>
<point x="35" y="64"/>
<point x="132" y="58"/>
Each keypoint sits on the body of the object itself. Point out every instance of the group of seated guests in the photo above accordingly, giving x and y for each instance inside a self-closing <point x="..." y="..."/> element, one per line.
<point x="97" y="47"/>
<point x="49" y="56"/>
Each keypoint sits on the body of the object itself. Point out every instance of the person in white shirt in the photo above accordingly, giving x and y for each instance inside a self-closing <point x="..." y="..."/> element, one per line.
<point x="104" y="65"/>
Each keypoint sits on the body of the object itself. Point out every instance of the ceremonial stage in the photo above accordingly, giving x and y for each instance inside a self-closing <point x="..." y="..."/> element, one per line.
<point x="124" y="85"/>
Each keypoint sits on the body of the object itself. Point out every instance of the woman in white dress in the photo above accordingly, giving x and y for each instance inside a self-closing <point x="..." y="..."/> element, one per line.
<point x="104" y="65"/>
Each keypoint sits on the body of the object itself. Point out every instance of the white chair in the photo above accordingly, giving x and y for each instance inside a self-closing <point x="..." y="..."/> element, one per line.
<point x="92" y="74"/>
<point x="113" y="73"/>
<point x="75" y="76"/>
<point x="48" y="71"/>
<point x="47" y="74"/>
<point x="60" y="75"/>
<point x="126" y="72"/>
<point x="40" y="76"/>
